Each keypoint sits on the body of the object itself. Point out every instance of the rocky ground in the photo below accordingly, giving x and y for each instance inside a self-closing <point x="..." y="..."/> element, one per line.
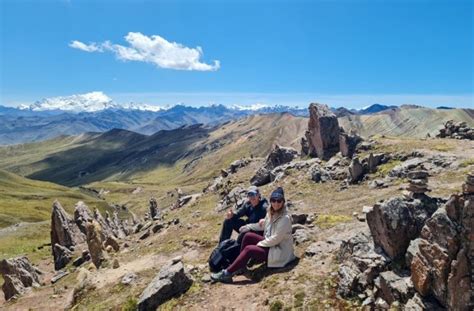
<point x="351" y="246"/>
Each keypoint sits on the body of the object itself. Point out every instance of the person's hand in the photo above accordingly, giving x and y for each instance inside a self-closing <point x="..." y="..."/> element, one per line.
<point x="261" y="222"/>
<point x="244" y="229"/>
<point x="229" y="214"/>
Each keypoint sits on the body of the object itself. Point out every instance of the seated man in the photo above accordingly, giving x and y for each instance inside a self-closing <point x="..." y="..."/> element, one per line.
<point x="255" y="209"/>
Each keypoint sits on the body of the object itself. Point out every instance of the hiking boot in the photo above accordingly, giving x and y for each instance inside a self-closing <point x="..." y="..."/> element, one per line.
<point x="222" y="276"/>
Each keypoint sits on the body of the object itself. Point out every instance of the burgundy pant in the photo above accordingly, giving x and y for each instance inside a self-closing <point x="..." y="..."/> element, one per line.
<point x="249" y="249"/>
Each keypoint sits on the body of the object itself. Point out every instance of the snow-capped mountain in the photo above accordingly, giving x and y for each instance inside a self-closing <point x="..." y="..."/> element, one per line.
<point x="89" y="102"/>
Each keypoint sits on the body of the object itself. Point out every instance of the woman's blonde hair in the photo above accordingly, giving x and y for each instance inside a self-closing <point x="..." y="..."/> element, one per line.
<point x="273" y="212"/>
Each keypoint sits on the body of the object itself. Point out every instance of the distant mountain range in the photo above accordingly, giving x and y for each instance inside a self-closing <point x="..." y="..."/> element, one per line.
<point x="96" y="112"/>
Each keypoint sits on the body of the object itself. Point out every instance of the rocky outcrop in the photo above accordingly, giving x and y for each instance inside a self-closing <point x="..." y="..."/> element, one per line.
<point x="440" y="256"/>
<point x="323" y="132"/>
<point x="348" y="143"/>
<point x="82" y="215"/>
<point x="235" y="198"/>
<point x="361" y="263"/>
<point x="172" y="280"/>
<point x="426" y="243"/>
<point x="94" y="242"/>
<point x="65" y="233"/>
<point x="19" y="276"/>
<point x="356" y="171"/>
<point x="458" y="130"/>
<point x="154" y="212"/>
<point x="278" y="156"/>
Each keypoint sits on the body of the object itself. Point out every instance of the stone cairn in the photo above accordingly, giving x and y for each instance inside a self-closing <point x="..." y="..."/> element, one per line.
<point x="417" y="184"/>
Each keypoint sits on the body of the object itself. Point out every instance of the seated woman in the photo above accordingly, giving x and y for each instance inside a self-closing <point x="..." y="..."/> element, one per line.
<point x="275" y="246"/>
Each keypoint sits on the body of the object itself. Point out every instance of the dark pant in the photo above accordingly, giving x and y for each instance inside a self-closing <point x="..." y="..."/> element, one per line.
<point x="249" y="250"/>
<point x="229" y="225"/>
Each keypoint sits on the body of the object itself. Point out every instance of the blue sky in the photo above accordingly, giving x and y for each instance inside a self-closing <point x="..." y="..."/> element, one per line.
<point x="351" y="53"/>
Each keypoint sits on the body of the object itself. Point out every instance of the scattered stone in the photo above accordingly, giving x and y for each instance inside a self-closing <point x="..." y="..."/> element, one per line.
<point x="157" y="227"/>
<point x="82" y="259"/>
<point x="144" y="235"/>
<point x="319" y="174"/>
<point x="62" y="256"/>
<point x="321" y="248"/>
<point x="137" y="190"/>
<point x="59" y="276"/>
<point x="172" y="280"/>
<point x="301" y="236"/>
<point x="206" y="278"/>
<point x="115" y="264"/>
<point x="19" y="275"/>
<point x="381" y="304"/>
<point x="129" y="278"/>
<point x="112" y="242"/>
<point x="299" y="218"/>
<point x="378" y="184"/>
<point x="402" y="170"/>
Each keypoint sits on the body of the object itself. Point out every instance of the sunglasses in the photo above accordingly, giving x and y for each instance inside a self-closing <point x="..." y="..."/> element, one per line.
<point x="276" y="200"/>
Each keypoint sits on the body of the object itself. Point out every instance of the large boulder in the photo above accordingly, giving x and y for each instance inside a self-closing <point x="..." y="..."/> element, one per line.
<point x="356" y="171"/>
<point x="171" y="281"/>
<point x="323" y="132"/>
<point x="395" y="222"/>
<point x="19" y="276"/>
<point x="62" y="256"/>
<point x="360" y="264"/>
<point x="64" y="232"/>
<point x="348" y="143"/>
<point x="394" y="287"/>
<point x="278" y="156"/>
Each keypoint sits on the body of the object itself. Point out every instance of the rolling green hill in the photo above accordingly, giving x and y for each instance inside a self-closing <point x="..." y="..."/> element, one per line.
<point x="26" y="200"/>
<point x="122" y="155"/>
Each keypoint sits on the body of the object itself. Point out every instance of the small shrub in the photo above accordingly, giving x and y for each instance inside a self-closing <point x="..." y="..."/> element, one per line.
<point x="130" y="305"/>
<point x="277" y="305"/>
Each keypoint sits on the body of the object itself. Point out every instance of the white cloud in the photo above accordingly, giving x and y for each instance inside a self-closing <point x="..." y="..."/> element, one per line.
<point x="155" y="50"/>
<point x="85" y="47"/>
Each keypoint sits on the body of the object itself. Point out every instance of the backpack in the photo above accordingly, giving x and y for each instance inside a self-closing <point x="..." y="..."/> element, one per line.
<point x="224" y="255"/>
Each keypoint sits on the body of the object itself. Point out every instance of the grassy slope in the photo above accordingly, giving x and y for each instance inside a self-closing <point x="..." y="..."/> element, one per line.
<point x="406" y="122"/>
<point x="29" y="202"/>
<point x="26" y="200"/>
